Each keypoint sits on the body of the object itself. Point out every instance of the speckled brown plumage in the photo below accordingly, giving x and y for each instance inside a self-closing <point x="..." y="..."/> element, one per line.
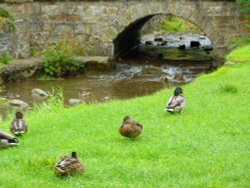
<point x="130" y="128"/>
<point x="69" y="165"/>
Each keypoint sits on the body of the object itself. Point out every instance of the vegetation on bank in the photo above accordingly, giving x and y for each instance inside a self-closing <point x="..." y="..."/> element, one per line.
<point x="238" y="42"/>
<point x="206" y="146"/>
<point x="240" y="55"/>
<point x="59" y="59"/>
<point x="175" y="24"/>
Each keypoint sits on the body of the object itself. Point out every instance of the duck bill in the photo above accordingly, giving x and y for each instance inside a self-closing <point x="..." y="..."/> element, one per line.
<point x="59" y="170"/>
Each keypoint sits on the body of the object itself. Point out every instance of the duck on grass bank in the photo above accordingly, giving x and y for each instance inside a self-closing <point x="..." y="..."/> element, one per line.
<point x="177" y="102"/>
<point x="7" y="140"/>
<point x="69" y="166"/>
<point x="130" y="128"/>
<point x="18" y="126"/>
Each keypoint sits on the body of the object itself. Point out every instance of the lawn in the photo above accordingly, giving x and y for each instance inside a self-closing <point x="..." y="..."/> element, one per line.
<point x="207" y="145"/>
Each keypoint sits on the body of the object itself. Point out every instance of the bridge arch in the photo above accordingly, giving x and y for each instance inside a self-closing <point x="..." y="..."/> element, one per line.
<point x="105" y="26"/>
<point x="130" y="37"/>
<point x="220" y="21"/>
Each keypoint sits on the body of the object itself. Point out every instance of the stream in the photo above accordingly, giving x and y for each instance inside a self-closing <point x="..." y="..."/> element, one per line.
<point x="129" y="79"/>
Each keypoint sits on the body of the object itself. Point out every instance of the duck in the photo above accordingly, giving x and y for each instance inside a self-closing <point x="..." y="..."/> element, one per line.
<point x="7" y="140"/>
<point x="84" y="93"/>
<point x="176" y="102"/>
<point x="18" y="126"/>
<point x="130" y="128"/>
<point x="69" y="165"/>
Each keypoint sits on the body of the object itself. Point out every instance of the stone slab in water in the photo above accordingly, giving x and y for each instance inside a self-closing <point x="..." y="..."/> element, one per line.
<point x="96" y="62"/>
<point x="20" y="69"/>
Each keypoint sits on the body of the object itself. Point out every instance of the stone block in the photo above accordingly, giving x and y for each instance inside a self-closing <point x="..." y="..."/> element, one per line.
<point x="74" y="18"/>
<point x="221" y="21"/>
<point x="245" y="31"/>
<point x="18" y="1"/>
<point x="95" y="62"/>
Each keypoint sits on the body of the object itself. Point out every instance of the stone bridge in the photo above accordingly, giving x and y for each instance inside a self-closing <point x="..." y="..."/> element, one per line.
<point x="112" y="27"/>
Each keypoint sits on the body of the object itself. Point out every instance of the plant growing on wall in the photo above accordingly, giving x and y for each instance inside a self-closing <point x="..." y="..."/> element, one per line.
<point x="245" y="9"/>
<point x="59" y="59"/>
<point x="7" y="18"/>
<point x="5" y="58"/>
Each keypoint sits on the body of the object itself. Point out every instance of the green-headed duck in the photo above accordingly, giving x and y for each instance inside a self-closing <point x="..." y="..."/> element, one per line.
<point x="177" y="102"/>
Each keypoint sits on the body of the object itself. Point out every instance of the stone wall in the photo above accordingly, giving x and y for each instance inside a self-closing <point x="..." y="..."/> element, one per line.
<point x="97" y="24"/>
<point x="5" y="40"/>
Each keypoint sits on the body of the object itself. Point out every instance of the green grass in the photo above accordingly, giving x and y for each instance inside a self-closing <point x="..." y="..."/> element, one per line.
<point x="239" y="41"/>
<point x="206" y="146"/>
<point x="240" y="55"/>
<point x="176" y="24"/>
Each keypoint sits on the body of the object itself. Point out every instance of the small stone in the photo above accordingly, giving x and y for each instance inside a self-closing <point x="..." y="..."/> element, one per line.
<point x="74" y="101"/>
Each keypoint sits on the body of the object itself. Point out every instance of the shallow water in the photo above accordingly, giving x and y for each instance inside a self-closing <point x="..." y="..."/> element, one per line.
<point x="129" y="79"/>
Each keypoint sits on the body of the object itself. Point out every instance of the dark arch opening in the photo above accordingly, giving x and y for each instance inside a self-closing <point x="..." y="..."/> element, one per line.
<point x="130" y="39"/>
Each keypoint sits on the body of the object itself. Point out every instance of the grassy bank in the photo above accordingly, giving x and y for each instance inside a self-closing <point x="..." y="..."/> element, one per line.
<point x="206" y="146"/>
<point x="240" y="55"/>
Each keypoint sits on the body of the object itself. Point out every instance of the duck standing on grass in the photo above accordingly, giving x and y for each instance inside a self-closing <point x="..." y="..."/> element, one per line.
<point x="18" y="125"/>
<point x="177" y="102"/>
<point x="68" y="165"/>
<point x="7" y="140"/>
<point x="130" y="128"/>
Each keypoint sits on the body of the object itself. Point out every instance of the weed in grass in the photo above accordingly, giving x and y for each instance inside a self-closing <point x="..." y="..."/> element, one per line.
<point x="228" y="88"/>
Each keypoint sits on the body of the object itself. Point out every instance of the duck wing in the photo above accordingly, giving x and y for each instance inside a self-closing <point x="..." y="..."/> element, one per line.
<point x="131" y="130"/>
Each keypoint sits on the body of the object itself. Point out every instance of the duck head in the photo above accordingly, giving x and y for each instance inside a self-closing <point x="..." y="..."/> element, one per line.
<point x="126" y="119"/>
<point x="19" y="115"/>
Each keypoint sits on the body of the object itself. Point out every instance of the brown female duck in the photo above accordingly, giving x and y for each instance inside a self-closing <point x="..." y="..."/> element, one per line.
<point x="130" y="128"/>
<point x="68" y="165"/>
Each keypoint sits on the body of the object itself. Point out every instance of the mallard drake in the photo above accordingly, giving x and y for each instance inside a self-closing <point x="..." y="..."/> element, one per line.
<point x="7" y="140"/>
<point x="130" y="128"/>
<point x="68" y="165"/>
<point x="18" y="125"/>
<point x="177" y="102"/>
